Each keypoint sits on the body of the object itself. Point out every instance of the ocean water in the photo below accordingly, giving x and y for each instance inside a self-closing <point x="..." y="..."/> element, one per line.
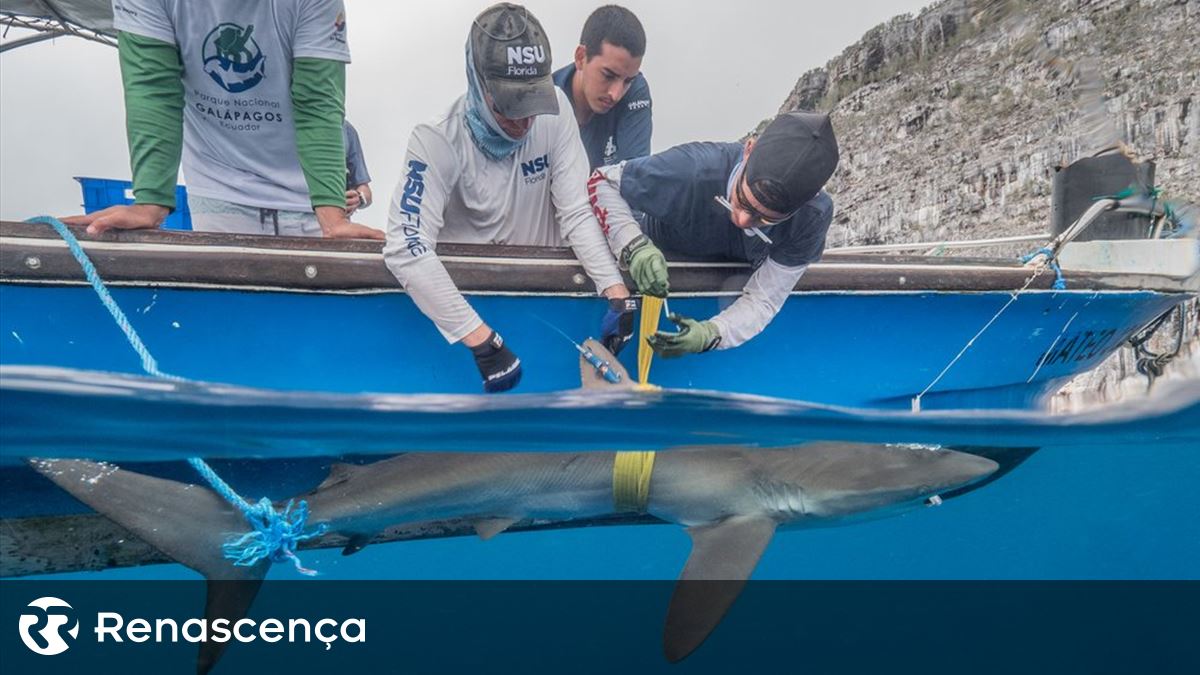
<point x="1113" y="493"/>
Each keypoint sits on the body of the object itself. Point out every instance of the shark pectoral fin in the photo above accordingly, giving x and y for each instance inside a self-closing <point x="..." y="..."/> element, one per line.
<point x="228" y="599"/>
<point x="723" y="556"/>
<point x="487" y="528"/>
<point x="356" y="543"/>
<point x="339" y="473"/>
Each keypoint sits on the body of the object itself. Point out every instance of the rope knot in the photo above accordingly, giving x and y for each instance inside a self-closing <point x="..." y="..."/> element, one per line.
<point x="1060" y="282"/>
<point x="275" y="537"/>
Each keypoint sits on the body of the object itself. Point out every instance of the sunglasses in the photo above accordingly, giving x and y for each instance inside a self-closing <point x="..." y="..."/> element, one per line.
<point x="755" y="214"/>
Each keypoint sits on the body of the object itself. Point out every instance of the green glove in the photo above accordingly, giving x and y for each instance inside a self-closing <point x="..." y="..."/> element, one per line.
<point x="693" y="337"/>
<point x="647" y="266"/>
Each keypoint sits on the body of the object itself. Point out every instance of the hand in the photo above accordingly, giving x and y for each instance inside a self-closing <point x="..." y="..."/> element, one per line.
<point x="499" y="367"/>
<point x="647" y="266"/>
<point x="335" y="225"/>
<point x="693" y="337"/>
<point x="122" y="217"/>
<point x="617" y="326"/>
<point x="353" y="201"/>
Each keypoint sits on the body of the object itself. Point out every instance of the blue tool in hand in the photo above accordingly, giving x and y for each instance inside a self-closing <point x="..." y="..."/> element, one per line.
<point x="603" y="367"/>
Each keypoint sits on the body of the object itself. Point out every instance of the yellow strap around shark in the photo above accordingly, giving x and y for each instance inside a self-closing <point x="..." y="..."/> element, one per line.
<point x="651" y="307"/>
<point x="631" y="481"/>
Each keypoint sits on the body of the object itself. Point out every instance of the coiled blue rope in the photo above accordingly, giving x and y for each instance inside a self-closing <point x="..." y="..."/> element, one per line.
<point x="1060" y="282"/>
<point x="276" y="534"/>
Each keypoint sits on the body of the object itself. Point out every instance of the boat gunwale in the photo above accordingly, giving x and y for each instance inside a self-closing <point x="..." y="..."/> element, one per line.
<point x="161" y="258"/>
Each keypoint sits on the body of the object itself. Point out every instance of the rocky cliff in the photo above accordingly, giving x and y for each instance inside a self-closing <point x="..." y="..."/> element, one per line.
<point x="951" y="122"/>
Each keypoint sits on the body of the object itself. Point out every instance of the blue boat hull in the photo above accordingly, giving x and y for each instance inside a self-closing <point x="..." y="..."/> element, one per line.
<point x="860" y="349"/>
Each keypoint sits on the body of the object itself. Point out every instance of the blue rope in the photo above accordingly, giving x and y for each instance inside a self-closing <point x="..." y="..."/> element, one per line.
<point x="1060" y="282"/>
<point x="275" y="534"/>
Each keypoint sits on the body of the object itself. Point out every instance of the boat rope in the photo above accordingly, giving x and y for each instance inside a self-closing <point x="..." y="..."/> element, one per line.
<point x="1060" y="282"/>
<point x="276" y="534"/>
<point x="916" y="402"/>
<point x="1150" y="363"/>
<point x="631" y="481"/>
<point x="149" y="364"/>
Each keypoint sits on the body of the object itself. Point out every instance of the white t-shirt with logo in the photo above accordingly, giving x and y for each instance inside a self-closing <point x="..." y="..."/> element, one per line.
<point x="239" y="138"/>
<point x="452" y="192"/>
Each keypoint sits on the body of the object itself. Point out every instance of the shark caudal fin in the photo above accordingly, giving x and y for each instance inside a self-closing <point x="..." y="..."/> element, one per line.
<point x="591" y="376"/>
<point x="723" y="556"/>
<point x="188" y="523"/>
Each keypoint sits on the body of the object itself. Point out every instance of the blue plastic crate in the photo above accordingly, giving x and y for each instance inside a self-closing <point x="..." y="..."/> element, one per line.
<point x="101" y="193"/>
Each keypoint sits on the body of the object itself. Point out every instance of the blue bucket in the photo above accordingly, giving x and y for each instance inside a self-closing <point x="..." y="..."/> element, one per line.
<point x="101" y="193"/>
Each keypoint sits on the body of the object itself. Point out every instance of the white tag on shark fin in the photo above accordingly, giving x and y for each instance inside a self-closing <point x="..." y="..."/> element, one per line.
<point x="487" y="528"/>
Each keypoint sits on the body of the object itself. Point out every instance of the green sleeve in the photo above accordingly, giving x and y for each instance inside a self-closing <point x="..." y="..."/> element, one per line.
<point x="151" y="73"/>
<point x="318" y="104"/>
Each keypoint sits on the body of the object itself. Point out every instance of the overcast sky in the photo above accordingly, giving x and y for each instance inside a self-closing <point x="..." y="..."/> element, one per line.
<point x="715" y="67"/>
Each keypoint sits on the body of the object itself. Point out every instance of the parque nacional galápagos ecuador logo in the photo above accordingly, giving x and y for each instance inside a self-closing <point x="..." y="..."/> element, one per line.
<point x="232" y="57"/>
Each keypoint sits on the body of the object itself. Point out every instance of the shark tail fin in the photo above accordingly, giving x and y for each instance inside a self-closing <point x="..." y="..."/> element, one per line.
<point x="188" y="523"/>
<point x="723" y="556"/>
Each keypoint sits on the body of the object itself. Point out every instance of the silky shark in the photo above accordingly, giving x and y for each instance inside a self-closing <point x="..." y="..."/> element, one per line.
<point x="730" y="499"/>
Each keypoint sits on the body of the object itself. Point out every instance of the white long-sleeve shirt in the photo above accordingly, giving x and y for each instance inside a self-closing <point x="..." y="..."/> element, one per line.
<point x="452" y="192"/>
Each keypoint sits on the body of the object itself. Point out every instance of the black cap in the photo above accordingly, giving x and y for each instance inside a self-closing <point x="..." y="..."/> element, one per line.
<point x="512" y="58"/>
<point x="797" y="150"/>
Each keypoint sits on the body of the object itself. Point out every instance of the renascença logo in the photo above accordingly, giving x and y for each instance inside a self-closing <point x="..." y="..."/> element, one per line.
<point x="42" y="631"/>
<point x="232" y="57"/>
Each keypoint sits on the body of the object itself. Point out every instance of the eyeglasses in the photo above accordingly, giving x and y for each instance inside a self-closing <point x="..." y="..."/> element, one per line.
<point x="755" y="214"/>
<point x="750" y="231"/>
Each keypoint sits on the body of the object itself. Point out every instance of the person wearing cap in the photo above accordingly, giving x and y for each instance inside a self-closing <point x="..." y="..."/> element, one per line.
<point x="607" y="91"/>
<point x="760" y="203"/>
<point x="251" y="95"/>
<point x="501" y="166"/>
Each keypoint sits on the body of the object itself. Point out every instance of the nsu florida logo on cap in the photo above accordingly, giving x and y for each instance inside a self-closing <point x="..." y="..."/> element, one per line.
<point x="513" y="60"/>
<point x="525" y="56"/>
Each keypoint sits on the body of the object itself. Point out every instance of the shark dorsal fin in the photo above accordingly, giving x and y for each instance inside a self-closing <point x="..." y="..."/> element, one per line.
<point x="487" y="528"/>
<point x="339" y="473"/>
<point x="723" y="556"/>
<point x="591" y="379"/>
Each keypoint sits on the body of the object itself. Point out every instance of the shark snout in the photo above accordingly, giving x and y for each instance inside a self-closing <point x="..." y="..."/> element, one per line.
<point x="963" y="469"/>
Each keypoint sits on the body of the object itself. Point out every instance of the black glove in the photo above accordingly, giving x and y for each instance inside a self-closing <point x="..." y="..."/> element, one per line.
<point x="617" y="326"/>
<point x="500" y="368"/>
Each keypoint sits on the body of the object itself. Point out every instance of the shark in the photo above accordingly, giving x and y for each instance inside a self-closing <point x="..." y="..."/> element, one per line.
<point x="731" y="500"/>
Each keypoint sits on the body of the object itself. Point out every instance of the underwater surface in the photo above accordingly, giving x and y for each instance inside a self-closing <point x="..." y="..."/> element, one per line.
<point x="1110" y="494"/>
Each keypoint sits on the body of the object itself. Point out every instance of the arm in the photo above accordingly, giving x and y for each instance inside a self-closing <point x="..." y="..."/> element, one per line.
<point x="568" y="192"/>
<point x="633" y="249"/>
<point x="611" y="210"/>
<point x="151" y="77"/>
<point x="762" y="298"/>
<point x="358" y="190"/>
<point x="318" y="87"/>
<point x="414" y="220"/>
<point x="636" y="125"/>
<point x="356" y="161"/>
